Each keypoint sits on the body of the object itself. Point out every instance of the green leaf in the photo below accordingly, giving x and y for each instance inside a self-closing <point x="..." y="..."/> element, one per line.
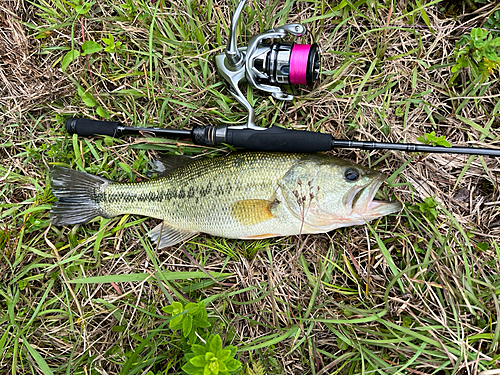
<point x="483" y="246"/>
<point x="191" y="369"/>
<point x="126" y="168"/>
<point x="84" y="8"/>
<point x="198" y="361"/>
<point x="212" y="358"/>
<point x="130" y="277"/>
<point x="110" y="40"/>
<point x="42" y="364"/>
<point x="168" y="309"/>
<point x="432" y="139"/>
<point x="478" y="33"/>
<point x="423" y="140"/>
<point x="177" y="308"/>
<point x="479" y="43"/>
<point x="175" y="322"/>
<point x="90" y="47"/>
<point x="215" y="344"/>
<point x="111" y="45"/>
<point x="232" y="364"/>
<point x="192" y="308"/>
<point x="200" y="322"/>
<point x="490" y="55"/>
<point x="223" y="354"/>
<point x="187" y="325"/>
<point x="87" y="97"/>
<point x="198" y="349"/>
<point x="221" y="367"/>
<point x="233" y="349"/>
<point x="102" y="112"/>
<point x="69" y="58"/>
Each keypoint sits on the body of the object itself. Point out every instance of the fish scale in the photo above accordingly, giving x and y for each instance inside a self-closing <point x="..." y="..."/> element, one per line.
<point x="243" y="195"/>
<point x="203" y="186"/>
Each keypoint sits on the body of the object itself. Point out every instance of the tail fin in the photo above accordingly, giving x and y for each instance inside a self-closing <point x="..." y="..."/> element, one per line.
<point x="78" y="195"/>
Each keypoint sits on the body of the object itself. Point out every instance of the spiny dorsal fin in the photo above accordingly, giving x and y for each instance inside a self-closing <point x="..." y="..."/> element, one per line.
<point x="167" y="163"/>
<point x="164" y="235"/>
<point x="253" y="211"/>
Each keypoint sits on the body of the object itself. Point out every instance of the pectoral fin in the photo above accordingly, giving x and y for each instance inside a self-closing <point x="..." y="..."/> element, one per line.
<point x="253" y="211"/>
<point x="164" y="235"/>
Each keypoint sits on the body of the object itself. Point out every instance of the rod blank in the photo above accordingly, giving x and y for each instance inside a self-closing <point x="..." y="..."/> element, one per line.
<point x="414" y="147"/>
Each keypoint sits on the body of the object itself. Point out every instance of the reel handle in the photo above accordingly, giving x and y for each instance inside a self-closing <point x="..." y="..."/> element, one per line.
<point x="273" y="139"/>
<point x="279" y="139"/>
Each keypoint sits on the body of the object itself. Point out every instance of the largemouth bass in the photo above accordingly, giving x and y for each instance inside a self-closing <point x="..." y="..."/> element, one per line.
<point x="246" y="195"/>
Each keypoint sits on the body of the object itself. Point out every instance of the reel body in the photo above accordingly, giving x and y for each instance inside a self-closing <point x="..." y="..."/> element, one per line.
<point x="267" y="67"/>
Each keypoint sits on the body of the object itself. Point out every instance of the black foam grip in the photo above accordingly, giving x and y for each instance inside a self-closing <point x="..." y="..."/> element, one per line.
<point x="86" y="127"/>
<point x="279" y="139"/>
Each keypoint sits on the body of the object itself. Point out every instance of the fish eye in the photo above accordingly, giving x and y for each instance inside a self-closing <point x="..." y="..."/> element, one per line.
<point x="351" y="174"/>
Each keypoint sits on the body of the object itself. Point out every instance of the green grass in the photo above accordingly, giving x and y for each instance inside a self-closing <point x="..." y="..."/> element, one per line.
<point x="413" y="293"/>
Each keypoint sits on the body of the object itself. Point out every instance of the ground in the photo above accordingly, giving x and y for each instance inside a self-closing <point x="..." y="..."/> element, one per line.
<point x="415" y="292"/>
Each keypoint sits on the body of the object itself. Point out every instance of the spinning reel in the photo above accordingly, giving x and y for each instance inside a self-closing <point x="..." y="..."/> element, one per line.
<point x="267" y="67"/>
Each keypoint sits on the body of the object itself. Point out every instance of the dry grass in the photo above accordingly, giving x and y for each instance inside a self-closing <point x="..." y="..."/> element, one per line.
<point x="408" y="294"/>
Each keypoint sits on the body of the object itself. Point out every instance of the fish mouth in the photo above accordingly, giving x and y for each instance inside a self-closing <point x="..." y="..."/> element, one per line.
<point x="360" y="200"/>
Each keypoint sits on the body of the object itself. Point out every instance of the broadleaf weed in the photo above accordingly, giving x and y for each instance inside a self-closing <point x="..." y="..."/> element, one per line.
<point x="478" y="51"/>
<point x="427" y="208"/>
<point x="431" y="138"/>
<point x="493" y="23"/>
<point x="210" y="358"/>
<point x="189" y="318"/>
<point x="111" y="45"/>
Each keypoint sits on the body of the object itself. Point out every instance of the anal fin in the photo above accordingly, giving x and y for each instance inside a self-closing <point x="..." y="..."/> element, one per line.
<point x="164" y="235"/>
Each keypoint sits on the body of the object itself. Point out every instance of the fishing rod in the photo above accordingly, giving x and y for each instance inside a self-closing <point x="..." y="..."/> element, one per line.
<point x="274" y="138"/>
<point x="270" y="67"/>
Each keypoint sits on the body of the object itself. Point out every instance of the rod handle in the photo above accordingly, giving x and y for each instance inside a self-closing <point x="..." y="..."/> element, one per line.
<point x="86" y="127"/>
<point x="279" y="139"/>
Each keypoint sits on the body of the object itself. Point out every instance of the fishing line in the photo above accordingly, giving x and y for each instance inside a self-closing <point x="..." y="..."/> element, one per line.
<point x="402" y="27"/>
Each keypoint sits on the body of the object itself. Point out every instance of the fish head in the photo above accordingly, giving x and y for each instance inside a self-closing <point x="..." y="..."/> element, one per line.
<point x="328" y="193"/>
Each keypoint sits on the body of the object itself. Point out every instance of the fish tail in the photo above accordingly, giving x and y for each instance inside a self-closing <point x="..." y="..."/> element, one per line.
<point x="78" y="195"/>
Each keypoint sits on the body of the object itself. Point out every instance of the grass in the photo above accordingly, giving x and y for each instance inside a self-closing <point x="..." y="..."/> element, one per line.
<point x="414" y="293"/>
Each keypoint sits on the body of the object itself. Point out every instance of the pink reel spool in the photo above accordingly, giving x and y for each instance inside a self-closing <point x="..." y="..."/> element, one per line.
<point x="303" y="61"/>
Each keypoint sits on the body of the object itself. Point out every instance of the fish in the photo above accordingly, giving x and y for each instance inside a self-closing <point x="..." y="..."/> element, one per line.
<point x="244" y="195"/>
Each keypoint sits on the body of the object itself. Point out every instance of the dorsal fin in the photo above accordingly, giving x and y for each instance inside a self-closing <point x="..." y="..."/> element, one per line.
<point x="167" y="163"/>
